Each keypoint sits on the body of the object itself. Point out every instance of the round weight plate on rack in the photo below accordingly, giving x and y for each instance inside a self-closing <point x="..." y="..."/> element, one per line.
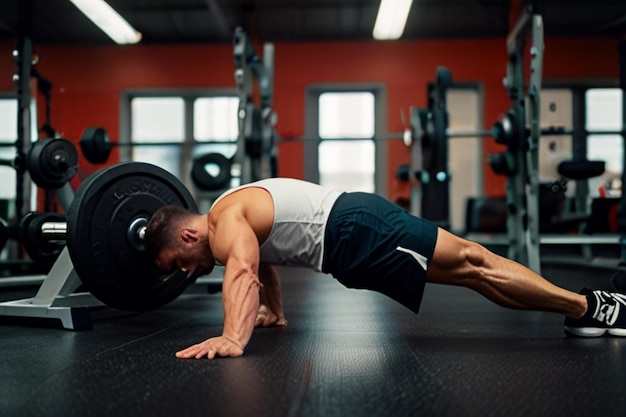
<point x="211" y="172"/>
<point x="104" y="221"/>
<point x="52" y="162"/>
<point x="29" y="232"/>
<point x="95" y="145"/>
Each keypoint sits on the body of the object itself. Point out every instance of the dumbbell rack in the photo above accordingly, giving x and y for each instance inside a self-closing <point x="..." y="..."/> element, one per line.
<point x="56" y="298"/>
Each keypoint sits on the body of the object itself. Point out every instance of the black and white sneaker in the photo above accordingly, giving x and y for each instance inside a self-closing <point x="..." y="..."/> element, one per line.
<point x="606" y="313"/>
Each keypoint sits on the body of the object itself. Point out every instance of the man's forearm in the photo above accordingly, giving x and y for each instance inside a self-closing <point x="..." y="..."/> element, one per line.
<point x="240" y="295"/>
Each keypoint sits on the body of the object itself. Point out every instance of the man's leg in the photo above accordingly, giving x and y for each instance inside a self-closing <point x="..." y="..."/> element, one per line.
<point x="460" y="262"/>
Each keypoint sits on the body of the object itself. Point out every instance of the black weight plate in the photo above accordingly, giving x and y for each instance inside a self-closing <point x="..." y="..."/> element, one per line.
<point x="29" y="233"/>
<point x="206" y="181"/>
<point x="108" y="260"/>
<point x="52" y="162"/>
<point x="95" y="145"/>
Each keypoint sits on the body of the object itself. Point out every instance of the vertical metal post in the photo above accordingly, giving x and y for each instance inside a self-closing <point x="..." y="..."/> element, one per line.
<point x="579" y="148"/>
<point x="24" y="121"/>
<point x="516" y="183"/>
<point x="436" y="189"/>
<point x="533" y="122"/>
<point x="416" y="165"/>
<point x="266" y="85"/>
<point x="621" y="217"/>
<point x="523" y="185"/>
<point x="257" y="121"/>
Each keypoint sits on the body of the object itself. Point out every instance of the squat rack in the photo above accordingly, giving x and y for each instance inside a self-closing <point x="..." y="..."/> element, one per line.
<point x="523" y="141"/>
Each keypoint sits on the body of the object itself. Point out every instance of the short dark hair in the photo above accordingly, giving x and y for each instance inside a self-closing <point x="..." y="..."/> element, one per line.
<point x="163" y="227"/>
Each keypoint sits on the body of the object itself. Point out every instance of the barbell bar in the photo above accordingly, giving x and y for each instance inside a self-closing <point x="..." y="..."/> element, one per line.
<point x="96" y="145"/>
<point x="54" y="232"/>
<point x="44" y="234"/>
<point x="547" y="131"/>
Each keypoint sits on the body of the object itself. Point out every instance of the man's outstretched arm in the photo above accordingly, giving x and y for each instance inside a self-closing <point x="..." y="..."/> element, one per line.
<point x="240" y="292"/>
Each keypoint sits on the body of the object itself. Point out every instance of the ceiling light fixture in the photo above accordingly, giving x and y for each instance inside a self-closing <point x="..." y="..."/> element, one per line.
<point x="107" y="19"/>
<point x="391" y="19"/>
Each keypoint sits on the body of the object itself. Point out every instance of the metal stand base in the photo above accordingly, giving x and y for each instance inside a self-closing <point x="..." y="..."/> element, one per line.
<point x="56" y="298"/>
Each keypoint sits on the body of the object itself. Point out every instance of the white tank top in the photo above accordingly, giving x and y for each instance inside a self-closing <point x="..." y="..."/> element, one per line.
<point x="301" y="211"/>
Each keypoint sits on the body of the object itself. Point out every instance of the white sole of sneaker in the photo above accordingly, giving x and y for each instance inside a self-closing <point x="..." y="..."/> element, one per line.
<point x="594" y="331"/>
<point x="585" y="331"/>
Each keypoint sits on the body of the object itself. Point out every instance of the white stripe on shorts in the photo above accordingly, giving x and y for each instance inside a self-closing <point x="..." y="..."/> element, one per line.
<point x="421" y="259"/>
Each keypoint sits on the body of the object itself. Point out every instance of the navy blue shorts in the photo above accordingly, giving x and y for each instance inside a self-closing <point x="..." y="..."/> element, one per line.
<point x="370" y="243"/>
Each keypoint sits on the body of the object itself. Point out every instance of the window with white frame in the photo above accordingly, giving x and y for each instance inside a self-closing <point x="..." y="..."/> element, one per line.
<point x="346" y="152"/>
<point x="170" y="131"/>
<point x="603" y="120"/>
<point x="215" y="125"/>
<point x="158" y="127"/>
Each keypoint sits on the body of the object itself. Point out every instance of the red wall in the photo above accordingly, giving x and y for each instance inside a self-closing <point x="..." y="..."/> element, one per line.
<point x="87" y="81"/>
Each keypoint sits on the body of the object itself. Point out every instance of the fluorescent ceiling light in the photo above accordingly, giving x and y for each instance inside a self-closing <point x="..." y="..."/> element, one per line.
<point x="391" y="19"/>
<point x="107" y="19"/>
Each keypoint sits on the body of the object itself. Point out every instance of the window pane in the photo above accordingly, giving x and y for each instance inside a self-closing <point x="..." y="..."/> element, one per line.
<point x="604" y="113"/>
<point x="346" y="115"/>
<point x="164" y="156"/>
<point x="557" y="110"/>
<point x="7" y="185"/>
<point x="215" y="119"/>
<point x="347" y="165"/>
<point x="464" y="109"/>
<point x="158" y="119"/>
<point x="607" y="148"/>
<point x="8" y="134"/>
<point x="8" y="120"/>
<point x="603" y="109"/>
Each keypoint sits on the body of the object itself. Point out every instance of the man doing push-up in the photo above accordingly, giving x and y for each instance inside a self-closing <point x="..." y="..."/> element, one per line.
<point x="363" y="240"/>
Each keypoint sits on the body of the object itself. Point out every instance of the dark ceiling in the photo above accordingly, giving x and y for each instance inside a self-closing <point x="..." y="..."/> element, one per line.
<point x="189" y="21"/>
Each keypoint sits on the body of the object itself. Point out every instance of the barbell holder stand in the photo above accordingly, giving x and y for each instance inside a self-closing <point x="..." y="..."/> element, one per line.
<point x="61" y="281"/>
<point x="56" y="299"/>
<point x="65" y="195"/>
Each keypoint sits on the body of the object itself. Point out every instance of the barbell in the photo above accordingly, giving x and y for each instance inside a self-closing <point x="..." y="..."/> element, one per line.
<point x="210" y="172"/>
<point x="104" y="233"/>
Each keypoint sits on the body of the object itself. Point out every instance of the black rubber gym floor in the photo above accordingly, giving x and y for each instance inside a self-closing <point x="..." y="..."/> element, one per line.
<point x="344" y="353"/>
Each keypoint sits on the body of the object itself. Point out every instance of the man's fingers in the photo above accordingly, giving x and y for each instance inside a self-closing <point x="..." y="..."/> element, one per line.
<point x="186" y="353"/>
<point x="192" y="351"/>
<point x="211" y="348"/>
